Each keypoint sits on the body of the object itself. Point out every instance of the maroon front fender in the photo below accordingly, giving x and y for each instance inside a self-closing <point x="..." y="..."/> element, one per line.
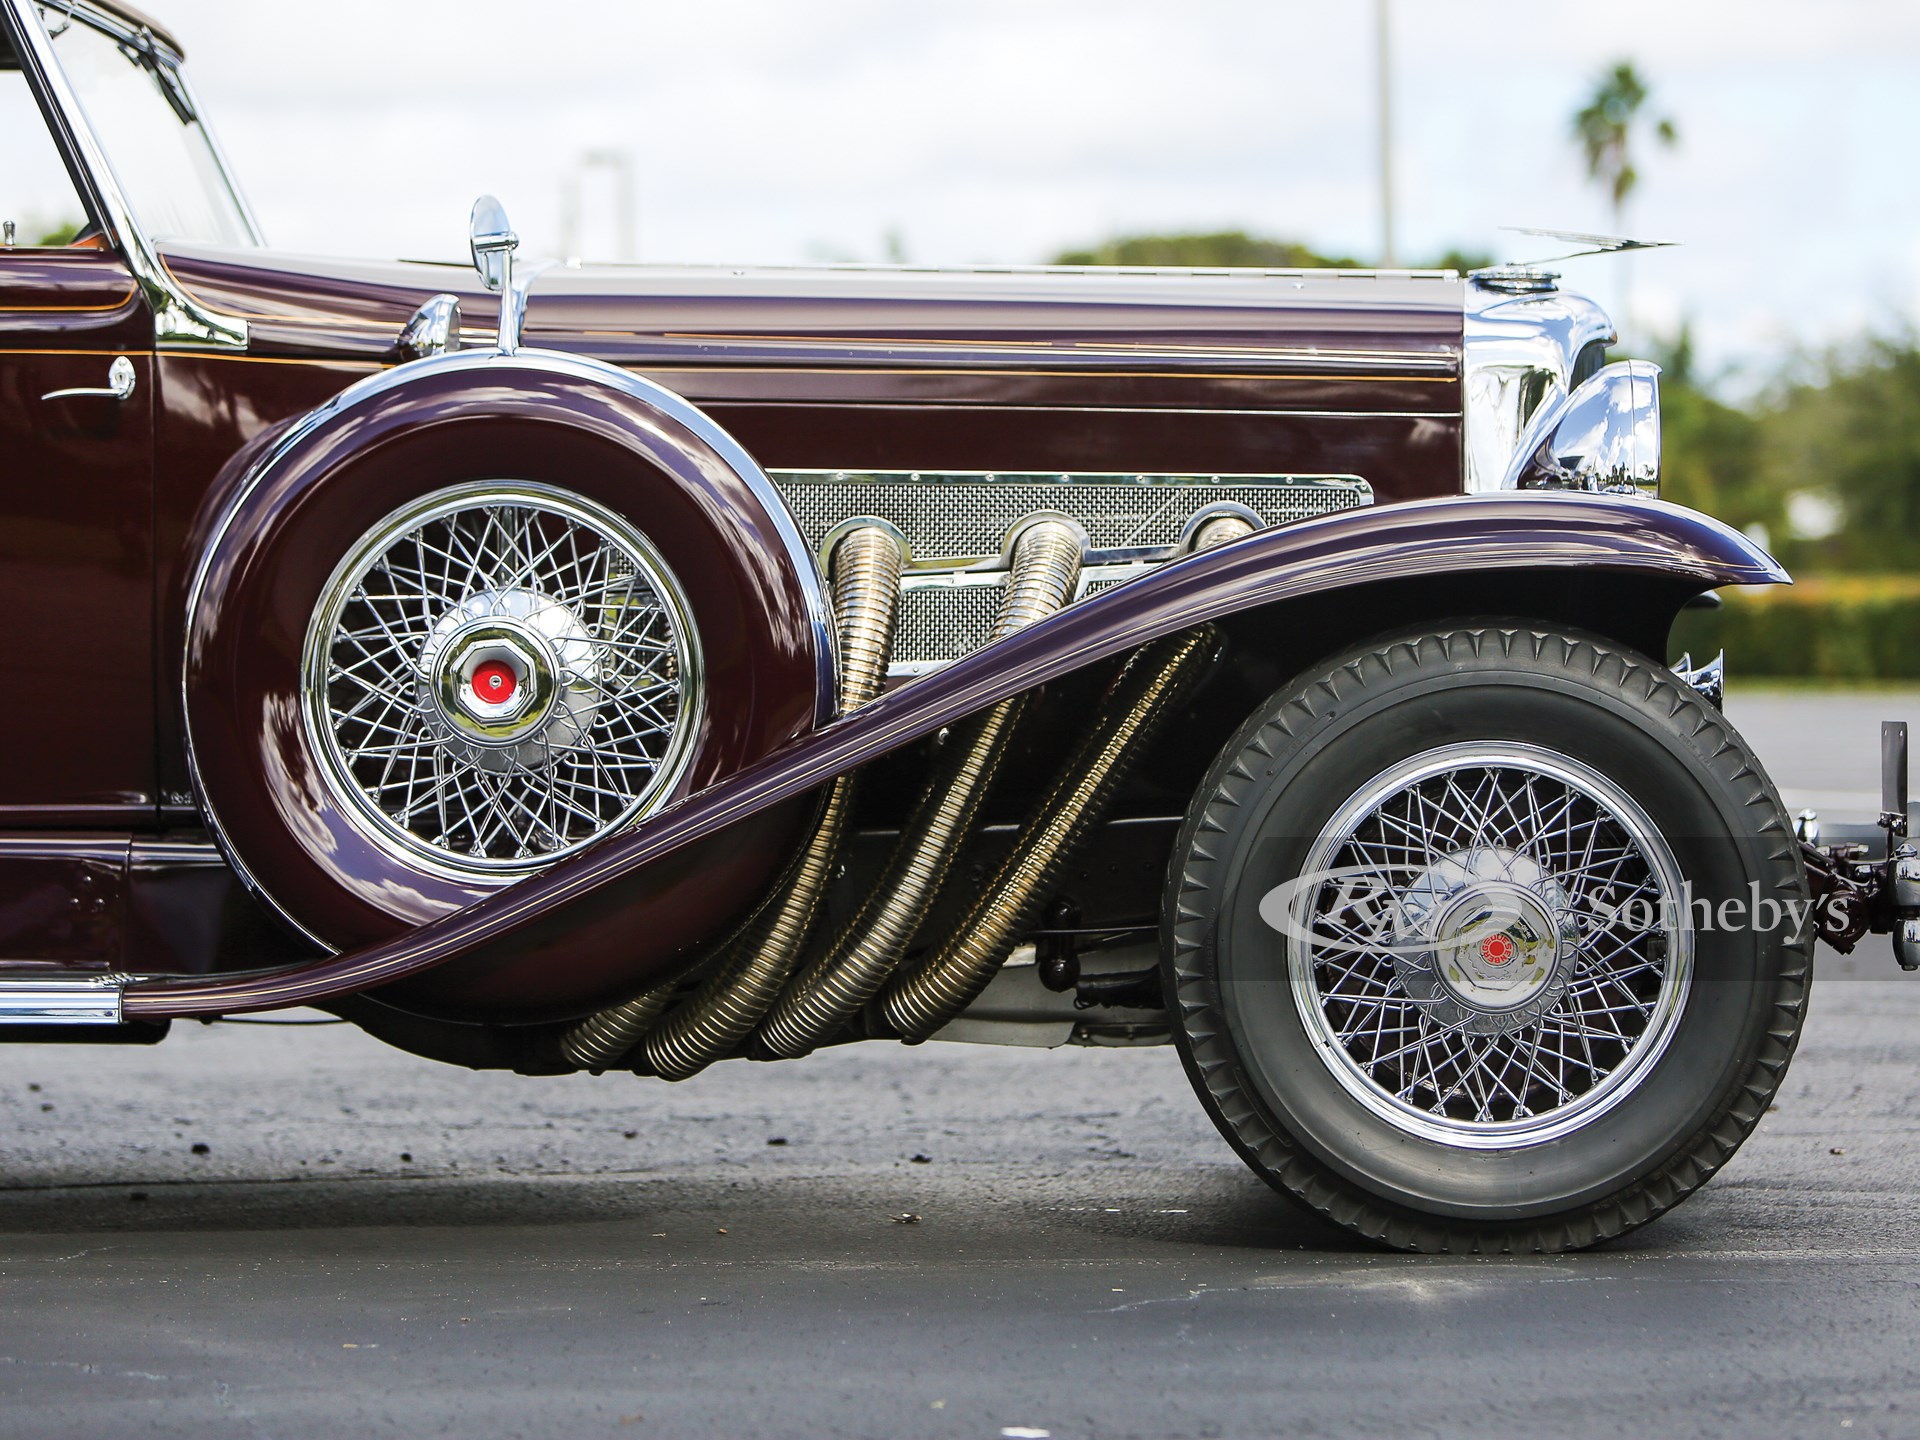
<point x="638" y="875"/>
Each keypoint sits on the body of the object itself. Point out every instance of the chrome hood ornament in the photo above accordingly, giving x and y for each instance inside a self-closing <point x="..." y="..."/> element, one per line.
<point x="1593" y="244"/>
<point x="1524" y="277"/>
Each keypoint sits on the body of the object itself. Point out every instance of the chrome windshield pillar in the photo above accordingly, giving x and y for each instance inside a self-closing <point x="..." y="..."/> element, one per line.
<point x="180" y="321"/>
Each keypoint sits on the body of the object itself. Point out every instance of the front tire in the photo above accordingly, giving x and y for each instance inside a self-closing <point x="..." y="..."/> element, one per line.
<point x="1453" y="940"/>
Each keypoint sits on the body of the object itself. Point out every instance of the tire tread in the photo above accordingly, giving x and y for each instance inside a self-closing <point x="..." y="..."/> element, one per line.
<point x="1202" y="1037"/>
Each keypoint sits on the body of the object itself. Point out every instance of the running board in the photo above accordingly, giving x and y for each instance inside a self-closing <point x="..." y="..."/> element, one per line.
<point x="58" y="1007"/>
<point x="62" y="999"/>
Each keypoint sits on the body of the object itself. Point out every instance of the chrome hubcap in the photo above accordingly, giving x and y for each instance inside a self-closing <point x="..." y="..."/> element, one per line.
<point x="1488" y="944"/>
<point x="499" y="675"/>
<point x="511" y="679"/>
<point x="1486" y="940"/>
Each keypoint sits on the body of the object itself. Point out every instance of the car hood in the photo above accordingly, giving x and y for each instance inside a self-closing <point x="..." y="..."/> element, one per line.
<point x="1097" y="370"/>
<point x="725" y="315"/>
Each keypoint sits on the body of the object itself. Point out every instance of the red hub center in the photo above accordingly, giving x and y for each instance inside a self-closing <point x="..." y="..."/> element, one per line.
<point x="494" y="682"/>
<point x="1497" y="949"/>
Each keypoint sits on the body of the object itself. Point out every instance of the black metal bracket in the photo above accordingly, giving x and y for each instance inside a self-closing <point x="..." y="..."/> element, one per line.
<point x="1853" y="895"/>
<point x="1903" y="860"/>
<point x="1893" y="780"/>
<point x="1848" y="893"/>
<point x="1129" y="990"/>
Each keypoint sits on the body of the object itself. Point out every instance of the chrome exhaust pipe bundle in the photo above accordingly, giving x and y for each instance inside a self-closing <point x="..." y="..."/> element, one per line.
<point x="750" y="992"/>
<point x="831" y="990"/>
<point x="754" y="962"/>
<point x="922" y="999"/>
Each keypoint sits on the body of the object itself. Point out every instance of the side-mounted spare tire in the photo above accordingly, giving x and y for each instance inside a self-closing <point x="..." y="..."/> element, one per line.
<point x="476" y="615"/>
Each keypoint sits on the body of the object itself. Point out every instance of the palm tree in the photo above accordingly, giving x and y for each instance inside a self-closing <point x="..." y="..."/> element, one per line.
<point x="1606" y="128"/>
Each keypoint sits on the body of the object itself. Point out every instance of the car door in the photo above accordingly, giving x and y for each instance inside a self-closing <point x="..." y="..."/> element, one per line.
<point x="76" y="511"/>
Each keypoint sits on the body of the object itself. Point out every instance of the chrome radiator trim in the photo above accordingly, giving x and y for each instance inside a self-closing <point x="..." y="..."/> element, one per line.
<point x="957" y="525"/>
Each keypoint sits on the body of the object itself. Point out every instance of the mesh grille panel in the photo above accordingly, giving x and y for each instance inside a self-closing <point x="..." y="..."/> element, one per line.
<point x="965" y="517"/>
<point x="942" y="623"/>
<point x="959" y="516"/>
<point x="936" y="624"/>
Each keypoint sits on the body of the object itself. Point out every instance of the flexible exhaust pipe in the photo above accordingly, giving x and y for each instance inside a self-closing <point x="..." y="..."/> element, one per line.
<point x="924" y="997"/>
<point x="831" y="990"/>
<point x="1220" y="529"/>
<point x="754" y="962"/>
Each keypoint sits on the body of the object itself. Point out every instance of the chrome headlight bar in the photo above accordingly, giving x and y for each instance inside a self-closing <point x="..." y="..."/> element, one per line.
<point x="1604" y="437"/>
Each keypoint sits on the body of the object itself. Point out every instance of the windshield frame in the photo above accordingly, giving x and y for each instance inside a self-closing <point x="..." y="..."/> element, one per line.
<point x="180" y="321"/>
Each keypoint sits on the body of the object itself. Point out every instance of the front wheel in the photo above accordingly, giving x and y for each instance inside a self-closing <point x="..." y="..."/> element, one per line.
<point x="1489" y="939"/>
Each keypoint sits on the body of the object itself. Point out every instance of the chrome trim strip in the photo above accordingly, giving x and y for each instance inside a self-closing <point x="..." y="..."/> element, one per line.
<point x="55" y="999"/>
<point x="994" y="407"/>
<point x="169" y="854"/>
<point x="180" y="322"/>
<point x="1172" y="272"/>
<point x="965" y="357"/>
<point x="819" y="611"/>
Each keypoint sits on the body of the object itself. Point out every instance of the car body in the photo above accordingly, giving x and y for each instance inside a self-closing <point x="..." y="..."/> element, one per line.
<point x="747" y="659"/>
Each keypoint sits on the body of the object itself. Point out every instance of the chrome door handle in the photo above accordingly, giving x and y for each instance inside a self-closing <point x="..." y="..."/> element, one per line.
<point x="120" y="382"/>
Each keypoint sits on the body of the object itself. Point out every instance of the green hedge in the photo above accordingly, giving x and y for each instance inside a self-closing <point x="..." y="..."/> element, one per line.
<point x="1829" y="628"/>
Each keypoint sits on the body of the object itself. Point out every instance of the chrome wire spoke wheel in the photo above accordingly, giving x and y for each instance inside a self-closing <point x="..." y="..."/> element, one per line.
<point x="1523" y="990"/>
<point x="498" y="675"/>
<point x="1489" y="944"/>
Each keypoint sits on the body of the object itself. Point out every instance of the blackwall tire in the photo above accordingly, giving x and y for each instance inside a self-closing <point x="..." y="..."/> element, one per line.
<point x="1488" y="1121"/>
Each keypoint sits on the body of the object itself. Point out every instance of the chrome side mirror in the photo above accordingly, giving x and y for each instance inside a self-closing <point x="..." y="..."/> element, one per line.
<point x="492" y="241"/>
<point x="433" y="329"/>
<point x="1604" y="437"/>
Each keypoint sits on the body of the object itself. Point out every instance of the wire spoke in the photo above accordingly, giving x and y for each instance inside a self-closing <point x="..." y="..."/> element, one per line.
<point x="597" y="744"/>
<point x="1413" y="1028"/>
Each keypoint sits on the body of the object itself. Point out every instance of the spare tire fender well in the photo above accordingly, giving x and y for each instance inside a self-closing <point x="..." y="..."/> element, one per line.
<point x="314" y="486"/>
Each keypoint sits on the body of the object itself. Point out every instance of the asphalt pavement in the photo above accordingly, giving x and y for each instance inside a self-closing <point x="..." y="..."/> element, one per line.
<point x="256" y="1231"/>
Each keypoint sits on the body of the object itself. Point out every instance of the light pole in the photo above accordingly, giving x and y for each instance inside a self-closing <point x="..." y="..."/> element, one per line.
<point x="1383" y="25"/>
<point x="626" y="238"/>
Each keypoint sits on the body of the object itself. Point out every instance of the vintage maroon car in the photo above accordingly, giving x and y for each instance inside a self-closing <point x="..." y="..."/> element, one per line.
<point x="690" y="664"/>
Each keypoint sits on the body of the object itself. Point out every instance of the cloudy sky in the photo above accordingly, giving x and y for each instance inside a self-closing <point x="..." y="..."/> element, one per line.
<point x="1003" y="130"/>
